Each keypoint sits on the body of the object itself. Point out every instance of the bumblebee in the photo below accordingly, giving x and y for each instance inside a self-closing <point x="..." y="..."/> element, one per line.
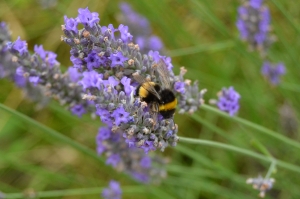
<point x="159" y="97"/>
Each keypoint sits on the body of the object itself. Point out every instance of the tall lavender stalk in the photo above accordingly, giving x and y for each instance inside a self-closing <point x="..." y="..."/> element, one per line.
<point x="139" y="27"/>
<point x="108" y="63"/>
<point x="254" y="25"/>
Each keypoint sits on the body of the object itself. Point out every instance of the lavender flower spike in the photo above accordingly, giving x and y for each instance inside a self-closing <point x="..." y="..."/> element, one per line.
<point x="254" y="25"/>
<point x="228" y="101"/>
<point x="42" y="80"/>
<point x="140" y="28"/>
<point x="125" y="157"/>
<point x="113" y="191"/>
<point x="273" y="72"/>
<point x="108" y="61"/>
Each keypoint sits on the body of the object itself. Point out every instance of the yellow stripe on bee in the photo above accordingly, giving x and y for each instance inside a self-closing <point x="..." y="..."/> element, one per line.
<point x="142" y="90"/>
<point x="168" y="106"/>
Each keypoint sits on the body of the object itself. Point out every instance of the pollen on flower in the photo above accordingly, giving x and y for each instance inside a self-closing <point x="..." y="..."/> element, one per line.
<point x="86" y="34"/>
<point x="130" y="62"/>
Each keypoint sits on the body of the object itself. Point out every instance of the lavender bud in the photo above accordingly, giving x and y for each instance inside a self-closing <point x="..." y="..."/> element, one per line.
<point x="273" y="72"/>
<point x="254" y="25"/>
<point x="113" y="191"/>
<point x="140" y="27"/>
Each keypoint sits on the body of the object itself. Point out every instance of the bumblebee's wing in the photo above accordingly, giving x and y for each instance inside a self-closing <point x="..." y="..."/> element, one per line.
<point x="163" y="73"/>
<point x="154" y="109"/>
<point x="146" y="85"/>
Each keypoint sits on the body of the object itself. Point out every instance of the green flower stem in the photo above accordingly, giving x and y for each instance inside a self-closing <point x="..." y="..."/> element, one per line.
<point x="257" y="144"/>
<point x="73" y="192"/>
<point x="262" y="129"/>
<point x="222" y="133"/>
<point x="271" y="169"/>
<point x="202" y="48"/>
<point x="242" y="151"/>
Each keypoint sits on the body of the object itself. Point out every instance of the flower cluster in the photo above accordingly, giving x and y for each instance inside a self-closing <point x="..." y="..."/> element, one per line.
<point x="273" y="72"/>
<point x="107" y="62"/>
<point x="261" y="184"/>
<point x="130" y="160"/>
<point x="41" y="76"/>
<point x="7" y="67"/>
<point x="113" y="191"/>
<point x="139" y="26"/>
<point x="254" y="25"/>
<point x="101" y="82"/>
<point x="228" y="100"/>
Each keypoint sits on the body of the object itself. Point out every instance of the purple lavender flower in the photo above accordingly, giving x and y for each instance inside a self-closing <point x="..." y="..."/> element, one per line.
<point x="141" y="177"/>
<point x="92" y="60"/>
<point x="20" y="80"/>
<point x="91" y="79"/>
<point x="77" y="62"/>
<point x="140" y="28"/>
<point x="19" y="46"/>
<point x="120" y="116"/>
<point x="113" y="191"/>
<point x="113" y="160"/>
<point x="109" y="30"/>
<point x="78" y="110"/>
<point x="40" y="51"/>
<point x="105" y="116"/>
<point x="110" y="84"/>
<point x="51" y="59"/>
<point x="256" y="3"/>
<point x="102" y="90"/>
<point x="254" y="25"/>
<point x="104" y="134"/>
<point x="273" y="72"/>
<point x="47" y="56"/>
<point x="71" y="24"/>
<point x="130" y="160"/>
<point x="179" y="87"/>
<point x="146" y="162"/>
<point x="117" y="59"/>
<point x="127" y="87"/>
<point x="228" y="100"/>
<point x="74" y="75"/>
<point x="87" y="18"/>
<point x="125" y="35"/>
<point x="34" y="80"/>
<point x="155" y="43"/>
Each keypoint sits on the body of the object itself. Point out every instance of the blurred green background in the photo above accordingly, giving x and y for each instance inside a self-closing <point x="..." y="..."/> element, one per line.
<point x="198" y="34"/>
